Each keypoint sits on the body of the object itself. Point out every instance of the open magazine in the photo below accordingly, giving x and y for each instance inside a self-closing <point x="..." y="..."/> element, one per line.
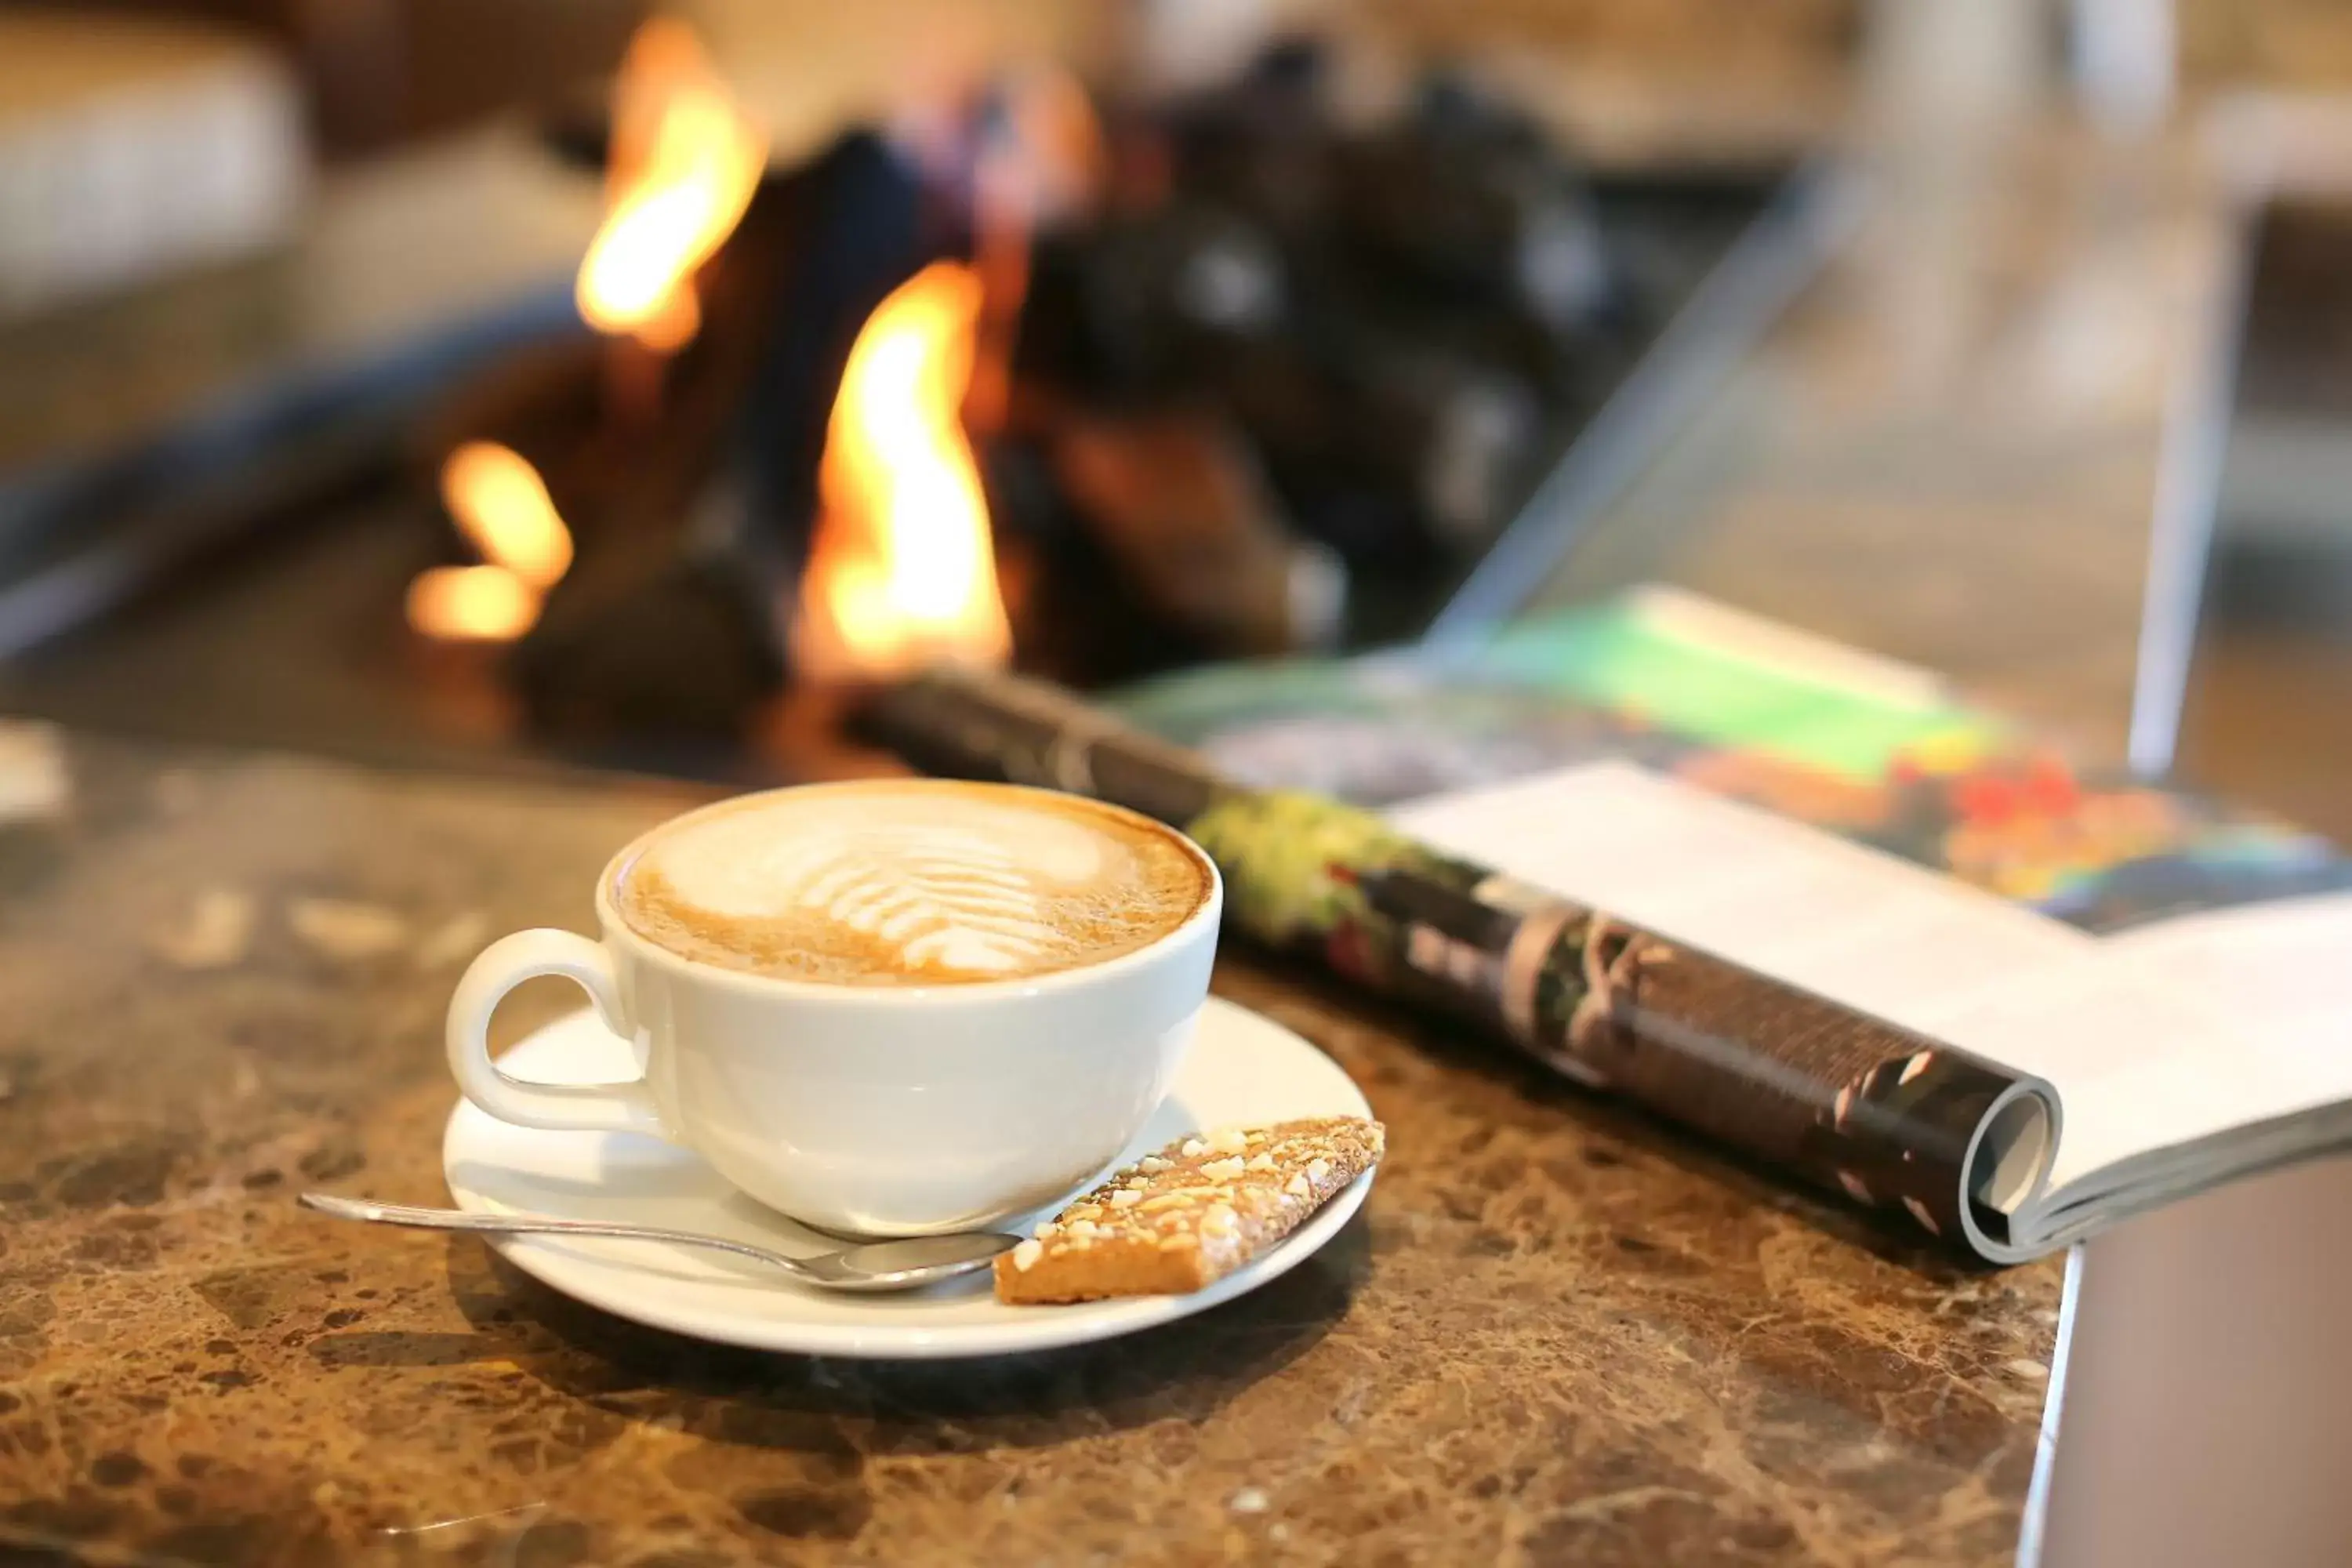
<point x="1779" y="892"/>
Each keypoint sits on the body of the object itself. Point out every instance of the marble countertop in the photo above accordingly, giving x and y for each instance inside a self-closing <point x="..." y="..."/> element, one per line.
<point x="1556" y="1332"/>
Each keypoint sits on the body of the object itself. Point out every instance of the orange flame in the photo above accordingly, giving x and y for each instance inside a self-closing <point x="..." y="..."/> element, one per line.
<point x="685" y="162"/>
<point x="902" y="572"/>
<point x="472" y="604"/>
<point x="502" y="505"/>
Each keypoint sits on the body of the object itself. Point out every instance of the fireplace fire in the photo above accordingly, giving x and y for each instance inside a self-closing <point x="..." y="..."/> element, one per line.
<point x="1226" y="376"/>
<point x="1260" y="367"/>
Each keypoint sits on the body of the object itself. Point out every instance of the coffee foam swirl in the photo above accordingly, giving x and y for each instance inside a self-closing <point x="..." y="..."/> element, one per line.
<point x="909" y="883"/>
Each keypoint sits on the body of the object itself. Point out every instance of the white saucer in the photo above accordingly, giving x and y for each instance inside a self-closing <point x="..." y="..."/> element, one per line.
<point x="1243" y="1069"/>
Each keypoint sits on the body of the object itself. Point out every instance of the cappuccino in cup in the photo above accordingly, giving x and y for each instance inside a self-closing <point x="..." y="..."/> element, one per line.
<point x="915" y="883"/>
<point x="891" y="1007"/>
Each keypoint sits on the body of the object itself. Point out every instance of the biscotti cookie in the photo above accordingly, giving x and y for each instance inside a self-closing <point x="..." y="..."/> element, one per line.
<point x="1193" y="1213"/>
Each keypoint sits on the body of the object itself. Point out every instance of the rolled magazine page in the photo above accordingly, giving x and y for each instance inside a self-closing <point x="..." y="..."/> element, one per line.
<point x="1889" y="1117"/>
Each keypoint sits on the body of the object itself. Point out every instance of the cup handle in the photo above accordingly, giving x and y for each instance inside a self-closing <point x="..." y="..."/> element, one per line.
<point x="565" y="1107"/>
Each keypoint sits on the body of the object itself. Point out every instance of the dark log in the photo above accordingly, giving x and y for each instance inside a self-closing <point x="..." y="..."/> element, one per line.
<point x="1185" y="515"/>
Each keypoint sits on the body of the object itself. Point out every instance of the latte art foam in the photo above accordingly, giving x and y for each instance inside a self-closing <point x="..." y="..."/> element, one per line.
<point x="912" y="883"/>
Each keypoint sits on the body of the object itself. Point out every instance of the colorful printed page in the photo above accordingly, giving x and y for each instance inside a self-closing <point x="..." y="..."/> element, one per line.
<point x="1873" y="751"/>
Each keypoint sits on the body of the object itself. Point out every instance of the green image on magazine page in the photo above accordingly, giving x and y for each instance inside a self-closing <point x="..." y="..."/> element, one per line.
<point x="1872" y="749"/>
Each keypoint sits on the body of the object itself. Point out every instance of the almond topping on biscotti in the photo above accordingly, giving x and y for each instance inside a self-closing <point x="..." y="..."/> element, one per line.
<point x="1191" y="1214"/>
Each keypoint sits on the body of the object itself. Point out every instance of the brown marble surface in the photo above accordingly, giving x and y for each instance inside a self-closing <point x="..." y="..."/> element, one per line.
<point x="1556" y="1333"/>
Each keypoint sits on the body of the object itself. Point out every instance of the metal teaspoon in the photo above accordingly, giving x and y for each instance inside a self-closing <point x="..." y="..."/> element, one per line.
<point x="874" y="1265"/>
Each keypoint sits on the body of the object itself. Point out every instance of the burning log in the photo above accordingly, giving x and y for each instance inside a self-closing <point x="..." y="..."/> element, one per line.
<point x="1264" y="146"/>
<point x="1183" y="511"/>
<point x="859" y="232"/>
<point x="645" y="643"/>
<point x="1392" y="318"/>
<point x="1393" y="453"/>
<point x="1465" y="195"/>
<point x="1143" y="304"/>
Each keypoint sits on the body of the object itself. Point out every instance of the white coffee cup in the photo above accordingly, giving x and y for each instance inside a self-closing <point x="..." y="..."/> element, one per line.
<point x="877" y="1111"/>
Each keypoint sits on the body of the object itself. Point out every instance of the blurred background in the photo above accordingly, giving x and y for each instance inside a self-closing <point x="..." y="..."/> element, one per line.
<point x="528" y="383"/>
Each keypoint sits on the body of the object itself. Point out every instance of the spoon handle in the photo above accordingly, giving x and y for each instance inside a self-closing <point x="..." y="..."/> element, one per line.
<point x="536" y="1225"/>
